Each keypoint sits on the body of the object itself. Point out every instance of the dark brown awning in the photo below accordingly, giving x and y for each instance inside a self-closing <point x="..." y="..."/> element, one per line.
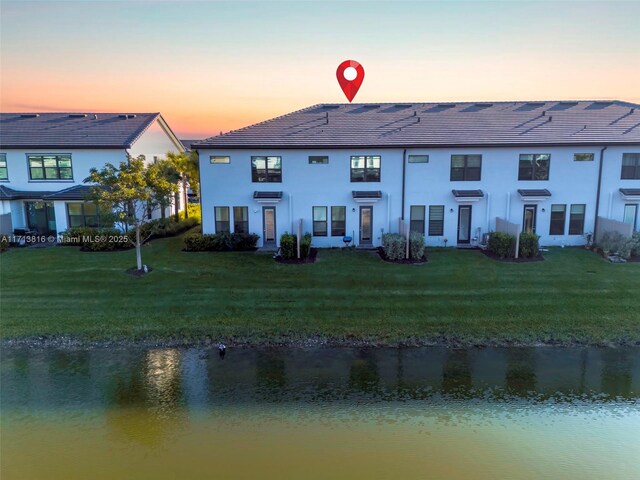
<point x="541" y="192"/>
<point x="468" y="193"/>
<point x="367" y="194"/>
<point x="267" y="195"/>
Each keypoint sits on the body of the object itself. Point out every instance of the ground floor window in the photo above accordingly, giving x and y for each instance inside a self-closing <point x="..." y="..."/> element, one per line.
<point x="221" y="216"/>
<point x="631" y="215"/>
<point x="436" y="220"/>
<point x="576" y="219"/>
<point x="319" y="221"/>
<point x="338" y="221"/>
<point x="241" y="219"/>
<point x="417" y="219"/>
<point x="87" y="214"/>
<point x="558" y="218"/>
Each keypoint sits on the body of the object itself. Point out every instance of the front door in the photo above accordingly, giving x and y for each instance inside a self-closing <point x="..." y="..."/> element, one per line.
<point x="41" y="217"/>
<point x="464" y="224"/>
<point x="529" y="218"/>
<point x="366" y="226"/>
<point x="269" y="223"/>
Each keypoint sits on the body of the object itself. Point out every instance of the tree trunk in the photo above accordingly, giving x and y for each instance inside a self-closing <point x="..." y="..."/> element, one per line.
<point x="176" y="199"/>
<point x="138" y="248"/>
<point x="186" y="196"/>
<point x="163" y="210"/>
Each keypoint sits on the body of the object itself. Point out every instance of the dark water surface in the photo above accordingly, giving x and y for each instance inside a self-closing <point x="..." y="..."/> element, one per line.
<point x="170" y="413"/>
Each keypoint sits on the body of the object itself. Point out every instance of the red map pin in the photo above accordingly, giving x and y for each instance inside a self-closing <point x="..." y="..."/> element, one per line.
<point x="350" y="76"/>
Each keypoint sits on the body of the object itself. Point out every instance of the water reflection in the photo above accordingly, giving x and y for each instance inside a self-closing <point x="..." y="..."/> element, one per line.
<point x="168" y="380"/>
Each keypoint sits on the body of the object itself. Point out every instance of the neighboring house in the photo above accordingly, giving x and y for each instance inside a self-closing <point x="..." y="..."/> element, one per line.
<point x="449" y="169"/>
<point x="45" y="158"/>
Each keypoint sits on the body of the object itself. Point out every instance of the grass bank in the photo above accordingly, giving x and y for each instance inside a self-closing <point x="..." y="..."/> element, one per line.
<point x="459" y="297"/>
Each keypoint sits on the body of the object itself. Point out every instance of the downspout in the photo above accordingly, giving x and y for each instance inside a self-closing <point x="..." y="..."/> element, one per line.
<point x="595" y="225"/>
<point x="404" y="167"/>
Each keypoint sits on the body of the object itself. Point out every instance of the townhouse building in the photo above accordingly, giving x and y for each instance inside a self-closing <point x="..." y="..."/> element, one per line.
<point x="45" y="158"/>
<point x="447" y="169"/>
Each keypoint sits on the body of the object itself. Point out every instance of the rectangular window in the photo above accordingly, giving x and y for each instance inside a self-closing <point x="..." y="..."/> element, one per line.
<point x="583" y="157"/>
<point x="631" y="215"/>
<point x="365" y="168"/>
<point x="534" y="167"/>
<point x="50" y="167"/>
<point x="338" y="221"/>
<point x="4" y="174"/>
<point x="466" y="167"/>
<point x="576" y="219"/>
<point x="318" y="160"/>
<point x="630" y="166"/>
<point x="417" y="219"/>
<point x="418" y="158"/>
<point x="221" y="159"/>
<point x="87" y="214"/>
<point x="221" y="215"/>
<point x="266" y="169"/>
<point x="241" y="219"/>
<point x="436" y="220"/>
<point x="558" y="218"/>
<point x="319" y="221"/>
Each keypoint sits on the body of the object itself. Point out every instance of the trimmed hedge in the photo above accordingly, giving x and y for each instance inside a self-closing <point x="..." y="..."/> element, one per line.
<point x="220" y="242"/>
<point x="502" y="244"/>
<point x="394" y="246"/>
<point x="529" y="245"/>
<point x="289" y="245"/>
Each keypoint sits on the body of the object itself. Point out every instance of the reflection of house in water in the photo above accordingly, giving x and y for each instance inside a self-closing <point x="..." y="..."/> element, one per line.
<point x="520" y="378"/>
<point x="457" y="373"/>
<point x="363" y="373"/>
<point x="271" y="372"/>
<point x="616" y="373"/>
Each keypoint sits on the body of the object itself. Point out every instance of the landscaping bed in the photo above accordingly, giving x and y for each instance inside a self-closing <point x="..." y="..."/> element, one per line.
<point x="402" y="261"/>
<point x="311" y="258"/>
<point x="493" y="256"/>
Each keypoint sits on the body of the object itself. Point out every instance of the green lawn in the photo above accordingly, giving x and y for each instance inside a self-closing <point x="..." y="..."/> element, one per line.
<point x="459" y="296"/>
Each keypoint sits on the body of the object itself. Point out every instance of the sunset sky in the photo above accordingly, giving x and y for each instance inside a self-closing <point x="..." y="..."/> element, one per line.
<point x="212" y="66"/>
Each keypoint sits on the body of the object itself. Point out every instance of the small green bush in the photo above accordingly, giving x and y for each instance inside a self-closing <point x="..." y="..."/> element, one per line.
<point x="220" y="242"/>
<point x="529" y="245"/>
<point x="194" y="212"/>
<point x="289" y="245"/>
<point x="416" y="245"/>
<point x="612" y="242"/>
<point x="394" y="246"/>
<point x="502" y="244"/>
<point x="635" y="245"/>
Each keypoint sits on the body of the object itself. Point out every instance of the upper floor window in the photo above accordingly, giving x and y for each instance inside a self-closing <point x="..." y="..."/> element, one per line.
<point x="534" y="166"/>
<point x="241" y="219"/>
<point x="217" y="159"/>
<point x="466" y="167"/>
<point x="266" y="169"/>
<point x="418" y="158"/>
<point x="221" y="217"/>
<point x="319" y="221"/>
<point x="630" y="166"/>
<point x="4" y="174"/>
<point x="365" y="168"/>
<point x="50" y="167"/>
<point x="583" y="157"/>
<point x="417" y="219"/>
<point x="318" y="160"/>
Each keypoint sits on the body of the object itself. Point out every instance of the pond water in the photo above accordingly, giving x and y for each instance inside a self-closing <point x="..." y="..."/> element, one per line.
<point x="323" y="413"/>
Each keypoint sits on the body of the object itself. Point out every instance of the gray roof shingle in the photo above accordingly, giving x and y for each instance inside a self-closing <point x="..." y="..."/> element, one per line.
<point x="442" y="124"/>
<point x="72" y="130"/>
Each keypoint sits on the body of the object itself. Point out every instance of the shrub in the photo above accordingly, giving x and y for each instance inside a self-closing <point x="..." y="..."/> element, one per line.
<point x="289" y="245"/>
<point x="634" y="242"/>
<point x="244" y="241"/>
<point x="220" y="242"/>
<point x="97" y="239"/>
<point x="529" y="245"/>
<point x="612" y="242"/>
<point x="502" y="244"/>
<point x="416" y="245"/>
<point x="394" y="246"/>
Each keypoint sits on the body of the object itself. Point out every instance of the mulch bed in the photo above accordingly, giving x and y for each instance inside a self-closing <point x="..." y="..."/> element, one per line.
<point x="404" y="261"/>
<point x="138" y="273"/>
<point x="313" y="253"/>
<point x="493" y="256"/>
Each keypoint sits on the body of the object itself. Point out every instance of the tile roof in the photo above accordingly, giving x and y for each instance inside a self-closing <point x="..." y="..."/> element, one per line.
<point x="7" y="193"/>
<point x="257" y="194"/>
<point x="366" y="194"/>
<point x="467" y="193"/>
<point x="78" y="192"/>
<point x="442" y="124"/>
<point x="72" y="130"/>
<point x="541" y="192"/>
<point x="630" y="192"/>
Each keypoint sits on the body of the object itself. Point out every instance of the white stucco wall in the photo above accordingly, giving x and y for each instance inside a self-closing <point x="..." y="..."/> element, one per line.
<point x="304" y="186"/>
